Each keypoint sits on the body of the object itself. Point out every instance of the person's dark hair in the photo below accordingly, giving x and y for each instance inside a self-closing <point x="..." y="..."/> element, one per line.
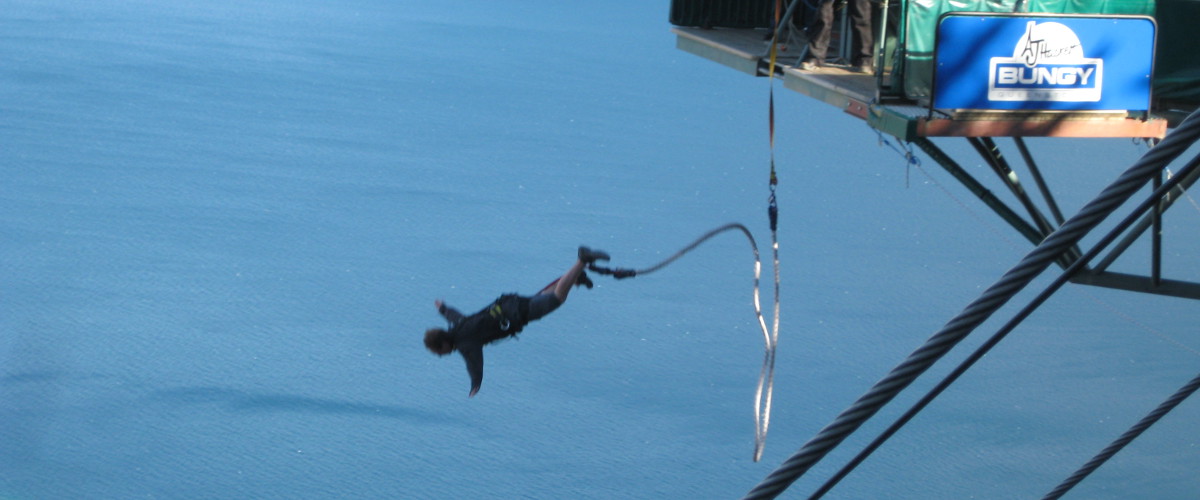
<point x="435" y="343"/>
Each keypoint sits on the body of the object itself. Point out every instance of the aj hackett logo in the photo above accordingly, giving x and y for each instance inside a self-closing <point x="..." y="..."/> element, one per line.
<point x="1047" y="65"/>
<point x="1002" y="61"/>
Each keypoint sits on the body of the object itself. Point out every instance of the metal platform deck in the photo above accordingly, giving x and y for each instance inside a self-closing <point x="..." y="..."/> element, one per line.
<point x="746" y="50"/>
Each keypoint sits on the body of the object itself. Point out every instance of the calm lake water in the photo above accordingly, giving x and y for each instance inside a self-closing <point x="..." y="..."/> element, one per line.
<point x="223" y="227"/>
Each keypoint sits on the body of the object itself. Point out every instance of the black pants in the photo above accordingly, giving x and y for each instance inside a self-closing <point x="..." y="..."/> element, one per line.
<point x="820" y="26"/>
<point x="541" y="305"/>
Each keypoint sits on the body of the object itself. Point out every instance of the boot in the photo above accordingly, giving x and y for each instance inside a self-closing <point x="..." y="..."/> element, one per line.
<point x="584" y="280"/>
<point x="588" y="256"/>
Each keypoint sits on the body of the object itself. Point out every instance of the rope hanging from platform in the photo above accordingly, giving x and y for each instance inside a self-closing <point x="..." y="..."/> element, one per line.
<point x="766" y="376"/>
<point x="762" y="408"/>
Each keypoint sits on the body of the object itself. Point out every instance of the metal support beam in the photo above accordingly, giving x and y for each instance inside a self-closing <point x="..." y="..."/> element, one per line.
<point x="1012" y="127"/>
<point x="1156" y="235"/>
<point x="991" y="154"/>
<point x="1144" y="284"/>
<point x="987" y="148"/>
<point x="982" y="308"/>
<point x="1144" y="224"/>
<point x="1037" y="179"/>
<point x="989" y="199"/>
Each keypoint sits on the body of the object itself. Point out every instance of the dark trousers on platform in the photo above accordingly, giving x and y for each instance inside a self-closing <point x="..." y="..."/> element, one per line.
<point x="820" y="26"/>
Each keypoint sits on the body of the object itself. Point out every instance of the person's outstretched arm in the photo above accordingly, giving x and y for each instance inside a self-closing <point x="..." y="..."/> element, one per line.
<point x="451" y="314"/>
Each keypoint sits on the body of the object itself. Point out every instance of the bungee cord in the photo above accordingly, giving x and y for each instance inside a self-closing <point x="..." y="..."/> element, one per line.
<point x="764" y="390"/>
<point x="766" y="376"/>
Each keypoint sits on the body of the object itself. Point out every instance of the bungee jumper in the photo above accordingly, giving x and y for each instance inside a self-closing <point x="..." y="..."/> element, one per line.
<point x="508" y="315"/>
<point x="503" y="318"/>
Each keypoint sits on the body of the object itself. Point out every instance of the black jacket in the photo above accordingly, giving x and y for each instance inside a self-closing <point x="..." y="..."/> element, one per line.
<point x="501" y="319"/>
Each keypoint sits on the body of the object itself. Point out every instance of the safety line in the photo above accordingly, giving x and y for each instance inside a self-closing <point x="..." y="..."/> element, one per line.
<point x="1184" y="192"/>
<point x="912" y="160"/>
<point x="766" y="376"/>
<point x="764" y="415"/>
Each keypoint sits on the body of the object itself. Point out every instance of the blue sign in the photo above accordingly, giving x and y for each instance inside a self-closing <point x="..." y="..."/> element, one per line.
<point x="1043" y="62"/>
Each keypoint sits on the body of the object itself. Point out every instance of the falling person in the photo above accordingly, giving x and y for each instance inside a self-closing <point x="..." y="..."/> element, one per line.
<point x="503" y="318"/>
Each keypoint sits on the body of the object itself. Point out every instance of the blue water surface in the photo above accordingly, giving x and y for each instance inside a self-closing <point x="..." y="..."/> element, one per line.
<point x="223" y="226"/>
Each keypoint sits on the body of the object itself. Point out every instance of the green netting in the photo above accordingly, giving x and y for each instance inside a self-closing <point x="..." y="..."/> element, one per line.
<point x="1176" y="65"/>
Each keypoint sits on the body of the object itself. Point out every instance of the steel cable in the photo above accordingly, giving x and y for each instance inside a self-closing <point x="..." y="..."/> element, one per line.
<point x="979" y="310"/>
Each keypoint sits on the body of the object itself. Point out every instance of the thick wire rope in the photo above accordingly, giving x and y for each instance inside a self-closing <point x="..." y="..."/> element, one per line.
<point x="911" y="160"/>
<point x="979" y="310"/>
<point x="1079" y="265"/>
<point x="1126" y="438"/>
<point x="766" y="376"/>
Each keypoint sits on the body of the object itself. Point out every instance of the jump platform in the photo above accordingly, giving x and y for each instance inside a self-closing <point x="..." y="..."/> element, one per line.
<point x="859" y="95"/>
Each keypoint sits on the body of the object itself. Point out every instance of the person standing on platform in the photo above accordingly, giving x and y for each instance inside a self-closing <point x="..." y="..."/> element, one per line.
<point x="820" y="26"/>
